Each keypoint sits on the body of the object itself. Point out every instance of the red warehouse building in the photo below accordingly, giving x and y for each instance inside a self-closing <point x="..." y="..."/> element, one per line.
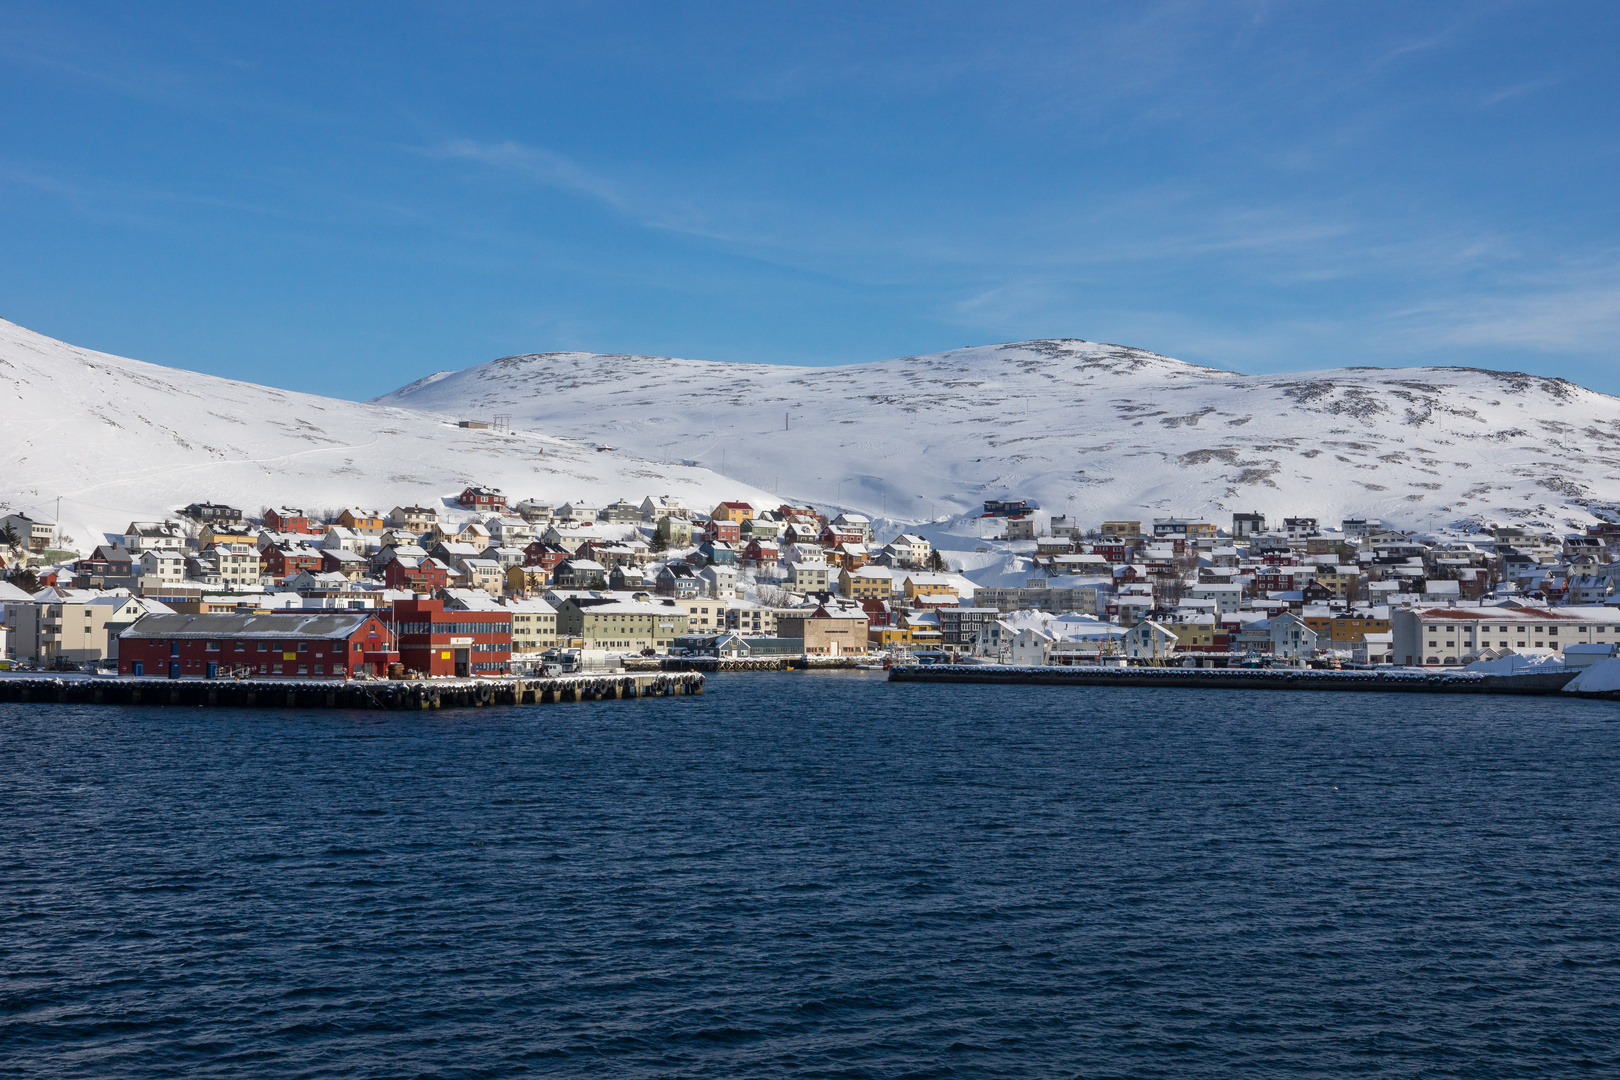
<point x="299" y="645"/>
<point x="459" y="643"/>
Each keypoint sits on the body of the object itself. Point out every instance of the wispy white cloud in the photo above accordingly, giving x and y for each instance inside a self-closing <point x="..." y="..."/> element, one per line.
<point x="1577" y="315"/>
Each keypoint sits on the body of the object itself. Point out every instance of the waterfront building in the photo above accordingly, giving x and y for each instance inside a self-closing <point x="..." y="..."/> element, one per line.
<point x="323" y="645"/>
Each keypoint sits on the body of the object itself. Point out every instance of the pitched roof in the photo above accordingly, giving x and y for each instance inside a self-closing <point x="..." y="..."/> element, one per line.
<point x="318" y="624"/>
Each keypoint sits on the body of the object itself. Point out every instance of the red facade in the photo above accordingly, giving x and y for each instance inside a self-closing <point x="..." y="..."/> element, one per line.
<point x="368" y="649"/>
<point x="417" y="575"/>
<point x="833" y="535"/>
<point x="546" y="556"/>
<point x="477" y="498"/>
<point x="291" y="522"/>
<point x="280" y="562"/>
<point x="729" y="532"/>
<point x="437" y="642"/>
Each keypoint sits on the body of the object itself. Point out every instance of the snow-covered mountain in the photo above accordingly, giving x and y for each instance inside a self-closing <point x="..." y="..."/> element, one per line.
<point x="120" y="440"/>
<point x="1100" y="431"/>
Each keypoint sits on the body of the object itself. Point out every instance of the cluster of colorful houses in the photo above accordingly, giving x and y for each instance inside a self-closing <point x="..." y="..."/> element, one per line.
<point x="479" y="585"/>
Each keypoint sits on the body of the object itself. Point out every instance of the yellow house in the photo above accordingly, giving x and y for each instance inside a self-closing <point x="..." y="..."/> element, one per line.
<point x="1122" y="528"/>
<point x="868" y="581"/>
<point x="880" y="637"/>
<point x="526" y="580"/>
<point x="1340" y="581"/>
<point x="1353" y="627"/>
<point x="1192" y="635"/>
<point x="732" y="511"/>
<point x="927" y="585"/>
<point x="212" y="535"/>
<point x="365" y="522"/>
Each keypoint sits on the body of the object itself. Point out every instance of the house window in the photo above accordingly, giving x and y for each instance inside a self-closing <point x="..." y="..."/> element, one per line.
<point x="303" y="646"/>
<point x="303" y="669"/>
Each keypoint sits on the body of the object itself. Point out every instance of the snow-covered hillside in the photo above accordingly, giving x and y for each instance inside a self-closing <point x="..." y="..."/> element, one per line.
<point x="120" y="440"/>
<point x="1097" y="430"/>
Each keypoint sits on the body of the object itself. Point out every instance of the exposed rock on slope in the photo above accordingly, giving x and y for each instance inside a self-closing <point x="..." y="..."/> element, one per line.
<point x="1097" y="430"/>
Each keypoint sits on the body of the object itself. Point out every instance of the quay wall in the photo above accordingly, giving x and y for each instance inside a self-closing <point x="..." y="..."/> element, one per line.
<point x="1400" y="681"/>
<point x="339" y="694"/>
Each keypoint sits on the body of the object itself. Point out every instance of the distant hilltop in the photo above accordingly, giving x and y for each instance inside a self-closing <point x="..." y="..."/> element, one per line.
<point x="1094" y="430"/>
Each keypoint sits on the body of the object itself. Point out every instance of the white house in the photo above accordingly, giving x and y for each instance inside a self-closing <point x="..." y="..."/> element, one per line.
<point x="808" y="577"/>
<point x="509" y="531"/>
<point x="35" y="535"/>
<point x="157" y="567"/>
<point x="1290" y="637"/>
<point x="153" y="536"/>
<point x="1148" y="640"/>
<point x="719" y="581"/>
<point x="339" y="538"/>
<point x="856" y="522"/>
<point x="414" y="519"/>
<point x="576" y="511"/>
<point x="909" y="549"/>
<point x="657" y="507"/>
<point x="1227" y="598"/>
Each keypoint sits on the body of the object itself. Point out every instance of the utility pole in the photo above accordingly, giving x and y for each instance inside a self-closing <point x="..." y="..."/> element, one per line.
<point x="784" y="421"/>
<point x="56" y="538"/>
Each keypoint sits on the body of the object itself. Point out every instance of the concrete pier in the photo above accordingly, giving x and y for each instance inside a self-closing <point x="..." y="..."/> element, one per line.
<point x="338" y="694"/>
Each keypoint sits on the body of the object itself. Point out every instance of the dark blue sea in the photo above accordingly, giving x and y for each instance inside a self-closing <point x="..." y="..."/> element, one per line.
<point x="817" y="875"/>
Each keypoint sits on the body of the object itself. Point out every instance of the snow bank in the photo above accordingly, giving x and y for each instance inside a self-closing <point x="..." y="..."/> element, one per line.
<point x="1522" y="663"/>
<point x="1601" y="676"/>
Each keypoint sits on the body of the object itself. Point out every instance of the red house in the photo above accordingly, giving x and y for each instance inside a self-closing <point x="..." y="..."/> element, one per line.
<point x="833" y="535"/>
<point x="763" y="552"/>
<point x="288" y="520"/>
<point x="729" y="532"/>
<point x="417" y="575"/>
<point x="478" y="498"/>
<point x="544" y="555"/>
<point x="282" y="562"/>
<point x="298" y="645"/>
<point x="455" y="643"/>
<point x="1113" y="552"/>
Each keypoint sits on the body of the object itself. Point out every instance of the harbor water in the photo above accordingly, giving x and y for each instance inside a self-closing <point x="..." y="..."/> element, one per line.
<point x="816" y="875"/>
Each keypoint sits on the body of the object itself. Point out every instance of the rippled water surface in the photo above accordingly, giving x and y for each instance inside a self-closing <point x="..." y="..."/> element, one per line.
<point x="818" y="876"/>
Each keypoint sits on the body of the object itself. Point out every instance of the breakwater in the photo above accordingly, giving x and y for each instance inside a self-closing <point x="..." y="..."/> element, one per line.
<point x="1396" y="680"/>
<point x="340" y="694"/>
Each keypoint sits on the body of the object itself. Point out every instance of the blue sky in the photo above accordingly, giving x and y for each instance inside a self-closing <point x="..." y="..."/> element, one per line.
<point x="343" y="197"/>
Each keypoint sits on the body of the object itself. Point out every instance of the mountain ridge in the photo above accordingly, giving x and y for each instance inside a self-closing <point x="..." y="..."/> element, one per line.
<point x="120" y="439"/>
<point x="1065" y="421"/>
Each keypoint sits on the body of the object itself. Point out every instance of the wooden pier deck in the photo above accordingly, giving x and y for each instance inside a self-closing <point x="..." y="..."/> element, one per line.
<point x="46" y="689"/>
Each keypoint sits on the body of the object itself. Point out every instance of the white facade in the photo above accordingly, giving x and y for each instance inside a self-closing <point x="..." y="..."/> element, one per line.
<point x="1291" y="638"/>
<point x="1453" y="636"/>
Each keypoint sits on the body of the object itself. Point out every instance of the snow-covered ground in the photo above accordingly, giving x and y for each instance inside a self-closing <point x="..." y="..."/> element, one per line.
<point x="1099" y="431"/>
<point x="120" y="440"/>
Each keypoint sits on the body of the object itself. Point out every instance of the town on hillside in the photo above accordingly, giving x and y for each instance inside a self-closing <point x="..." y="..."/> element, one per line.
<point x="477" y="585"/>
